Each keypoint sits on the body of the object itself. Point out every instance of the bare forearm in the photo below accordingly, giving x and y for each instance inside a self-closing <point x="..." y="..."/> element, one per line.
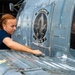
<point x="19" y="47"/>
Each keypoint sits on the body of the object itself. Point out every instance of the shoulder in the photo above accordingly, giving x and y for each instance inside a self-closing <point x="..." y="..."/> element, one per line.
<point x="3" y="34"/>
<point x="2" y="31"/>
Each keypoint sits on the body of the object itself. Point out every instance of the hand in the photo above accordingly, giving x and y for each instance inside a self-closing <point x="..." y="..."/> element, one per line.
<point x="37" y="52"/>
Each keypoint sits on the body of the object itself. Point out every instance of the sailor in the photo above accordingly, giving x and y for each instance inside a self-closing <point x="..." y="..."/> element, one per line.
<point x="8" y="24"/>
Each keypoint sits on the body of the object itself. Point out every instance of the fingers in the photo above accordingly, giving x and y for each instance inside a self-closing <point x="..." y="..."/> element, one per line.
<point x="38" y="52"/>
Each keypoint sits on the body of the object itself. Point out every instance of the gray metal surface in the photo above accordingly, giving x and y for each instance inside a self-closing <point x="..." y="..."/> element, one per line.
<point x="20" y="63"/>
<point x="44" y="25"/>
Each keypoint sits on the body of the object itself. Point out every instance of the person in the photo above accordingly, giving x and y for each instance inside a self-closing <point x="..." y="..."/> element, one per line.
<point x="8" y="24"/>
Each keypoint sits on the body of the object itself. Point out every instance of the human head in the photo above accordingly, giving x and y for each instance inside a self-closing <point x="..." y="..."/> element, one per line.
<point x="8" y="23"/>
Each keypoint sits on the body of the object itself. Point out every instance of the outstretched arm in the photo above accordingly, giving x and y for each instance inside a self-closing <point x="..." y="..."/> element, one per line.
<point x="16" y="46"/>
